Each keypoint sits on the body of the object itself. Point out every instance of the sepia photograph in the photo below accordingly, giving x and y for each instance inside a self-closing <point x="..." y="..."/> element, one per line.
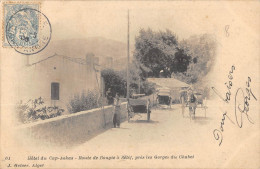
<point x="129" y="84"/>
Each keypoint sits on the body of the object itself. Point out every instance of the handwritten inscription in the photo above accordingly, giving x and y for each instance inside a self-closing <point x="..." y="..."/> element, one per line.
<point x="241" y="102"/>
<point x="228" y="84"/>
<point x="243" y="108"/>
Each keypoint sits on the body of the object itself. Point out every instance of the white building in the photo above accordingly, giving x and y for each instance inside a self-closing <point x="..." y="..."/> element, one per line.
<point x="57" y="78"/>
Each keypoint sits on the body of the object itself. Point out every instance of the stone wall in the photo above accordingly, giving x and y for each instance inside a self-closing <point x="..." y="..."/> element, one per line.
<point x="73" y="128"/>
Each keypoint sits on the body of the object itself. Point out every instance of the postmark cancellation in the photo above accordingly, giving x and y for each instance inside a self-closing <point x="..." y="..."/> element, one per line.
<point x="10" y="8"/>
<point x="26" y="28"/>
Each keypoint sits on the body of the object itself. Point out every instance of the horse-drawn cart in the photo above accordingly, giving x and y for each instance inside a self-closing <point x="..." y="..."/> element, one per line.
<point x="200" y="102"/>
<point x="164" y="97"/>
<point x="139" y="106"/>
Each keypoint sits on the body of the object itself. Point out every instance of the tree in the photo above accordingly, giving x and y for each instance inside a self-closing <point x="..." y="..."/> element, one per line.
<point x="116" y="80"/>
<point x="201" y="50"/>
<point x="113" y="80"/>
<point x="155" y="51"/>
<point x="189" y="60"/>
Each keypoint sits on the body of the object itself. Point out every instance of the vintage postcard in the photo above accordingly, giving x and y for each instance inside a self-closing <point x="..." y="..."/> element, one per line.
<point x="129" y="84"/>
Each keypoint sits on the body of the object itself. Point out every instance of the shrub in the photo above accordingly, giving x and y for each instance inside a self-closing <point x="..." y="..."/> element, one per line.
<point x="115" y="81"/>
<point x="84" y="101"/>
<point x="147" y="88"/>
<point x="34" y="109"/>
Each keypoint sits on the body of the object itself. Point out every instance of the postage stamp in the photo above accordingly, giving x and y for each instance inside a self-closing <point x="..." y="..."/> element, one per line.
<point x="26" y="29"/>
<point x="9" y="9"/>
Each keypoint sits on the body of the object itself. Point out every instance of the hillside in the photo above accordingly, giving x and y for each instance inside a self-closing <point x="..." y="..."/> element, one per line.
<point x="78" y="48"/>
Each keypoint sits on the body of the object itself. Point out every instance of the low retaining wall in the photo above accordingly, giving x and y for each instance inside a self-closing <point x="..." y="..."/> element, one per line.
<point x="73" y="128"/>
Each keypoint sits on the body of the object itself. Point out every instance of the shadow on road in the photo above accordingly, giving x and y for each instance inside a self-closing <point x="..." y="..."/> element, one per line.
<point x="71" y="139"/>
<point x="143" y="121"/>
<point x="202" y="120"/>
<point x="120" y="128"/>
<point x="164" y="109"/>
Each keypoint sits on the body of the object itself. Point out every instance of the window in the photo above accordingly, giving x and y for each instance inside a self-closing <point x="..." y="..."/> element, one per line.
<point x="55" y="91"/>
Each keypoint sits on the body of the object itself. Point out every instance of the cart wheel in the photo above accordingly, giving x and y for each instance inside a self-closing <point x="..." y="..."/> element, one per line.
<point x="128" y="113"/>
<point x="194" y="116"/>
<point x="128" y="118"/>
<point x="148" y="116"/>
<point x="147" y="111"/>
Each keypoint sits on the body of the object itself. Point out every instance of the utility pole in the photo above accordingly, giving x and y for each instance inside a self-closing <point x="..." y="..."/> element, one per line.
<point x="139" y="85"/>
<point x="128" y="81"/>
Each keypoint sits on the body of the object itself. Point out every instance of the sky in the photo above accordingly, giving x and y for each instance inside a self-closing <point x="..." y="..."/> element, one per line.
<point x="109" y="19"/>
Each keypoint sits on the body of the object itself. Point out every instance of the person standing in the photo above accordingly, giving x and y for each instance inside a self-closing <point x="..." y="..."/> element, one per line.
<point x="117" y="112"/>
<point x="192" y="103"/>
<point x="109" y="96"/>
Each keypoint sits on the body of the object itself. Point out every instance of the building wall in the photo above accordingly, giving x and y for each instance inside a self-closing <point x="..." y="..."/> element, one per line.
<point x="35" y="80"/>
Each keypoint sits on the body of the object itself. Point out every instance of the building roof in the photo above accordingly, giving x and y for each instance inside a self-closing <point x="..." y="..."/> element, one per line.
<point x="168" y="82"/>
<point x="72" y="59"/>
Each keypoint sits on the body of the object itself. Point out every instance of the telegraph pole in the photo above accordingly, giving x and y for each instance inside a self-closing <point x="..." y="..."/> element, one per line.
<point x="139" y="85"/>
<point x="128" y="80"/>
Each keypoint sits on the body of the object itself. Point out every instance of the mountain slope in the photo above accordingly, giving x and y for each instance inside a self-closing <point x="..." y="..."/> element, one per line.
<point x="78" y="48"/>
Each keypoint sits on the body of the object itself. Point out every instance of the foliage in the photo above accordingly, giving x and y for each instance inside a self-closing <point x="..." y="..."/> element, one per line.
<point x="147" y="88"/>
<point x="188" y="60"/>
<point x="84" y="101"/>
<point x="156" y="51"/>
<point x="202" y="50"/>
<point x="35" y="109"/>
<point x="116" y="81"/>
